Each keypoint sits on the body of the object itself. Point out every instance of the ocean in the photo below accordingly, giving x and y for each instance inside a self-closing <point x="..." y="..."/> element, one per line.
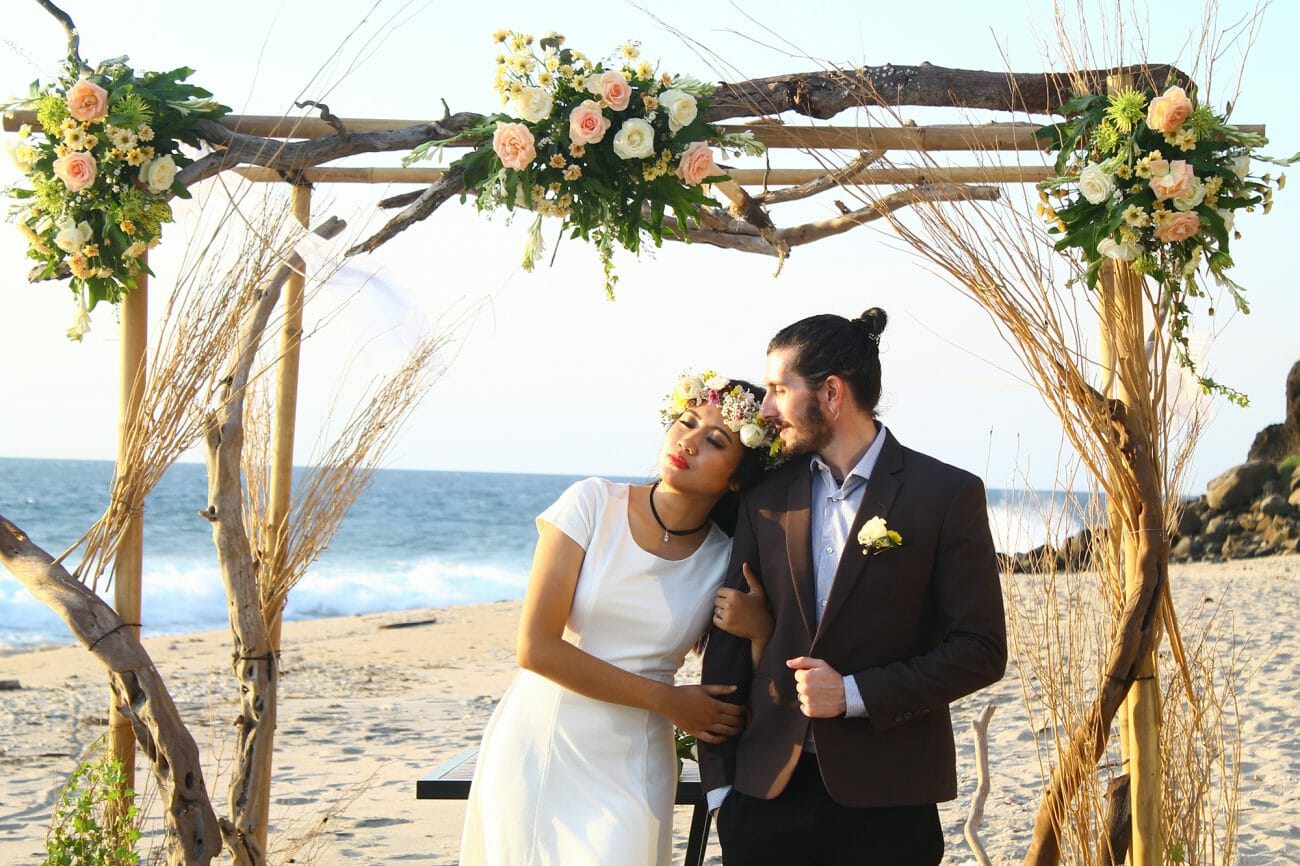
<point x="414" y="539"/>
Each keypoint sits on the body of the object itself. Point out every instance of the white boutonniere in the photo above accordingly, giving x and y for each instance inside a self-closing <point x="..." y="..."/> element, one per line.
<point x="875" y="536"/>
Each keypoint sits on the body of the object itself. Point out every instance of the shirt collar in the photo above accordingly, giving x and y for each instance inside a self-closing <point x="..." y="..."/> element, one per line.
<point x="864" y="467"/>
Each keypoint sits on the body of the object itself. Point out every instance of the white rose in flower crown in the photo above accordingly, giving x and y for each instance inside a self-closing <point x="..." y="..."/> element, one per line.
<point x="72" y="236"/>
<point x="716" y="383"/>
<point x="158" y="173"/>
<point x="680" y="106"/>
<point x="692" y="389"/>
<point x="635" y="139"/>
<point x="1095" y="184"/>
<point x="751" y="435"/>
<point x="1195" y="195"/>
<point x="533" y="104"/>
<point x="1117" y="251"/>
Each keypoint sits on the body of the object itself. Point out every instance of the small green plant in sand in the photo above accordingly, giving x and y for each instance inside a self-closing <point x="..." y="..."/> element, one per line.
<point x="90" y="826"/>
<point x="1287" y="467"/>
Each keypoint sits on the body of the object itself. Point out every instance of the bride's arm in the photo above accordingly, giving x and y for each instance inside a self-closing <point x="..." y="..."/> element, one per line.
<point x="745" y="613"/>
<point x="543" y="650"/>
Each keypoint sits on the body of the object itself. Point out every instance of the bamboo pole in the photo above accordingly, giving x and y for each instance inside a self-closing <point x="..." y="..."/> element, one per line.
<point x="129" y="559"/>
<point x="286" y="412"/>
<point x="744" y="177"/>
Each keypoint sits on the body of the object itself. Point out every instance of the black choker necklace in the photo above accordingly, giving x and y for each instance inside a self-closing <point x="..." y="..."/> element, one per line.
<point x="659" y="520"/>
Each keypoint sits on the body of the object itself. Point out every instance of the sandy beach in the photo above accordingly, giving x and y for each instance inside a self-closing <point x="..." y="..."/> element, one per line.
<point x="366" y="711"/>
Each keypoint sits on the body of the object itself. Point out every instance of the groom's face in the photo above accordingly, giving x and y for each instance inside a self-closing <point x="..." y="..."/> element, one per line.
<point x="793" y="407"/>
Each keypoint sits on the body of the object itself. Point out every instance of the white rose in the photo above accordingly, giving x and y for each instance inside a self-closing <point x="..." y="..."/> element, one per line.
<point x="1095" y="184"/>
<point x="872" y="531"/>
<point x="158" y="173"/>
<point x="1229" y="218"/>
<point x="1195" y="195"/>
<point x="691" y="389"/>
<point x="635" y="139"/>
<point x="717" y="383"/>
<point x="533" y="104"/>
<point x="751" y="435"/>
<point x="595" y="84"/>
<point x="680" y="106"/>
<point x="72" y="237"/>
<point x="1120" y="252"/>
<point x="1241" y="166"/>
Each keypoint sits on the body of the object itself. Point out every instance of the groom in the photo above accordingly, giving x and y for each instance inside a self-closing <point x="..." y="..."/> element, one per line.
<point x="850" y="745"/>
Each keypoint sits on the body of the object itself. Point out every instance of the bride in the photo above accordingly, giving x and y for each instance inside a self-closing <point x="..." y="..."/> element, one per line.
<point x="577" y="764"/>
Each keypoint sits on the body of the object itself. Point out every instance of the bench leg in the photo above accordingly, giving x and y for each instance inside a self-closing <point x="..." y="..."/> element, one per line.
<point x="699" y="837"/>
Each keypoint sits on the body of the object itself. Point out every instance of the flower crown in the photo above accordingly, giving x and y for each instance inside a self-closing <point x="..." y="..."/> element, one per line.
<point x="739" y="407"/>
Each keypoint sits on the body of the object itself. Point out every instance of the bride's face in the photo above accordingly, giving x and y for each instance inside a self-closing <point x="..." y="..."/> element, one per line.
<point x="699" y="454"/>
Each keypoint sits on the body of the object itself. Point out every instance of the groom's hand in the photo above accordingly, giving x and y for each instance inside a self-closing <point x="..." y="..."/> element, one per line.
<point x="820" y="688"/>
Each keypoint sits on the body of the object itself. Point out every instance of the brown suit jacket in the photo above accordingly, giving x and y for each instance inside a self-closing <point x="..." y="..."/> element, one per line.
<point x="917" y="626"/>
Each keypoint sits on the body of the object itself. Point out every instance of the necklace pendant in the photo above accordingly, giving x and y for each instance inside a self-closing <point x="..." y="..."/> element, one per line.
<point x="665" y="536"/>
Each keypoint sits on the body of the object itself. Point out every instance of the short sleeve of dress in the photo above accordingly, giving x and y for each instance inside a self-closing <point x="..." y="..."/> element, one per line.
<point x="574" y="513"/>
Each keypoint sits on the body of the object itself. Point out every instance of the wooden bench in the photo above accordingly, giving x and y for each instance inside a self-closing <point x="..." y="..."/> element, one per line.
<point x="451" y="779"/>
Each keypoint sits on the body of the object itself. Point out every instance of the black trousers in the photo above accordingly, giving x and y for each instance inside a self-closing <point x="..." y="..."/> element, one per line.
<point x="803" y="826"/>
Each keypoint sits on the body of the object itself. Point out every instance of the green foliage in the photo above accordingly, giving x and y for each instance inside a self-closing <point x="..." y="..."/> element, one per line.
<point x="88" y="827"/>
<point x="686" y="747"/>
<point x="1286" y="468"/>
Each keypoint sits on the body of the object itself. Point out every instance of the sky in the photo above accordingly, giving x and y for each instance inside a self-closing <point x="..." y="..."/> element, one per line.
<point x="544" y="374"/>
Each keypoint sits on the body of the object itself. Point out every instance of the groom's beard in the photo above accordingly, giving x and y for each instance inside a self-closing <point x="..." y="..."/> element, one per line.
<point x="808" y="433"/>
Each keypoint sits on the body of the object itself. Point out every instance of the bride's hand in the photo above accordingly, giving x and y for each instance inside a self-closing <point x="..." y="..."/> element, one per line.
<point x="744" y="614"/>
<point x="696" y="710"/>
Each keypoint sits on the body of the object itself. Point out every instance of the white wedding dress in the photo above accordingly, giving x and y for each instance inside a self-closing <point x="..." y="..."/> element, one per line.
<point x="566" y="780"/>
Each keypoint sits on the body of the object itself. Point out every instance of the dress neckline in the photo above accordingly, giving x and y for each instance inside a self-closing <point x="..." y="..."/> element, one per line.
<point x="627" y="524"/>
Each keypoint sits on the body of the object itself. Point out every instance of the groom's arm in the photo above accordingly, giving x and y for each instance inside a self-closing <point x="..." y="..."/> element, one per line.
<point x="967" y="593"/>
<point x="727" y="659"/>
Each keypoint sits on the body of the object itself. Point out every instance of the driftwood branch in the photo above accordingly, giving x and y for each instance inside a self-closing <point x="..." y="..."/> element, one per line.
<point x="823" y="95"/>
<point x="254" y="659"/>
<point x="325" y="115"/>
<point x="980" y="733"/>
<point x="192" y="836"/>
<point x="832" y="179"/>
<point x="450" y="184"/>
<point x="1112" y="848"/>
<point x="74" y="36"/>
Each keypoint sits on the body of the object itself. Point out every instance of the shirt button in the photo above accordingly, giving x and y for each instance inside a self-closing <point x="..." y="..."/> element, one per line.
<point x="830" y="549"/>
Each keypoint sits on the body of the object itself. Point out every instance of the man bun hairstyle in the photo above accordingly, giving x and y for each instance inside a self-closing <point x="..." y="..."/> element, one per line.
<point x="829" y="345"/>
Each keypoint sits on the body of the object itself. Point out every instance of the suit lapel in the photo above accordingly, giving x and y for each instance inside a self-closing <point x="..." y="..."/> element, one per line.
<point x="882" y="488"/>
<point x="797" y="521"/>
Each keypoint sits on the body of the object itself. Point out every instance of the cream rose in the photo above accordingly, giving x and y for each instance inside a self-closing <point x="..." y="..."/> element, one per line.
<point x="1170" y="179"/>
<point x="87" y="101"/>
<point x="158" y="173"/>
<point x="1192" y="198"/>
<point x="872" y="532"/>
<point x="76" y="170"/>
<point x="680" y="107"/>
<point x="587" y="123"/>
<point x="23" y="155"/>
<point x="1179" y="227"/>
<point x="1120" y="252"/>
<point x="696" y="164"/>
<point x="1241" y="166"/>
<point x="533" y="104"/>
<point x="716" y="383"/>
<point x="635" y="139"/>
<point x="1229" y="218"/>
<point x="692" y="389"/>
<point x="513" y="142"/>
<point x="751" y="435"/>
<point x="1095" y="184"/>
<point x="1167" y="112"/>
<point x="72" y="236"/>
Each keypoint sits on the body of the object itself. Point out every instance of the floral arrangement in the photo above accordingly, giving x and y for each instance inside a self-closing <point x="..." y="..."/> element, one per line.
<point x="1156" y="181"/>
<point x="875" y="536"/>
<point x="609" y="146"/>
<point x="739" y="408"/>
<point x="101" y="169"/>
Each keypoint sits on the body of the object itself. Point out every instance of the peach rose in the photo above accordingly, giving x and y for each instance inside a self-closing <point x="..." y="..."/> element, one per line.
<point x="1167" y="112"/>
<point x="697" y="164"/>
<point x="76" y="170"/>
<point x="587" y="123"/>
<point x="615" y="90"/>
<point x="513" y="142"/>
<point x="1179" y="227"/>
<point x="1171" y="179"/>
<point x="87" y="101"/>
